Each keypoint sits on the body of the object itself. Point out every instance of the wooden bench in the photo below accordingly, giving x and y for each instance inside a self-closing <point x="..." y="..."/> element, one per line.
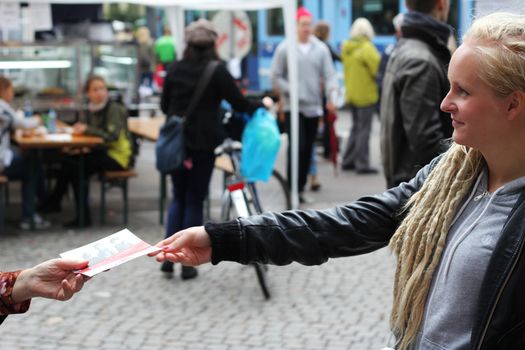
<point x="3" y="200"/>
<point x="109" y="179"/>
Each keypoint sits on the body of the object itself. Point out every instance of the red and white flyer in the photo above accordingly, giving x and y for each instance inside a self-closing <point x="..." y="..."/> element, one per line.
<point x="110" y="251"/>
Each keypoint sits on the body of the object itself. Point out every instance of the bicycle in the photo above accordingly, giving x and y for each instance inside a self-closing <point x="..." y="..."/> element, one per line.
<point x="245" y="197"/>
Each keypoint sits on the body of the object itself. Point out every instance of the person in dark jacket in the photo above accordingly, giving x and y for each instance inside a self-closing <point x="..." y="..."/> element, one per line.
<point x="414" y="84"/>
<point x="108" y="120"/>
<point x="456" y="229"/>
<point x="203" y="130"/>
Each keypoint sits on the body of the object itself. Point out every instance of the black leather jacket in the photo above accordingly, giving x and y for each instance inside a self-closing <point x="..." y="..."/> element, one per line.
<point x="310" y="237"/>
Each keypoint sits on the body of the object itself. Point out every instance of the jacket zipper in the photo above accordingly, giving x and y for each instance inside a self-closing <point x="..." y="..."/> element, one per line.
<point x="499" y="295"/>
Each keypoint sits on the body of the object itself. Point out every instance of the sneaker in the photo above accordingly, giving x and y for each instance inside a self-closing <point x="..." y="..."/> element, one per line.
<point x="188" y="272"/>
<point x="367" y="171"/>
<point x="40" y="223"/>
<point x="305" y="200"/>
<point x="315" y="185"/>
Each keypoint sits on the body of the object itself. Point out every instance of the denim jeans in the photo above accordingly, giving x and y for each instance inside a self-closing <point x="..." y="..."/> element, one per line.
<point x="190" y="187"/>
<point x="19" y="169"/>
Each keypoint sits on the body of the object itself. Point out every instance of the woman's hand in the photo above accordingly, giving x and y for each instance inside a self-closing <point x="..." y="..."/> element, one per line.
<point x="267" y="102"/>
<point x="79" y="129"/>
<point x="189" y="247"/>
<point x="53" y="279"/>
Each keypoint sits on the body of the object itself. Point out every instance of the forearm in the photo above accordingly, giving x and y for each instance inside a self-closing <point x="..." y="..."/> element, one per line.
<point x="311" y="237"/>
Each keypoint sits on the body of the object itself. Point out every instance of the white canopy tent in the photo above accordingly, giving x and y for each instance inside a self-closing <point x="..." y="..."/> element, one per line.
<point x="175" y="11"/>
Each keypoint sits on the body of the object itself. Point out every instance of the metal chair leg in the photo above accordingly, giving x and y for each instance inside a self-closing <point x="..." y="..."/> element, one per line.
<point x="103" y="201"/>
<point x="125" y="195"/>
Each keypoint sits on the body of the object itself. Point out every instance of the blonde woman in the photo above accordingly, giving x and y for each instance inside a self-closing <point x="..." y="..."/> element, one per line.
<point x="361" y="64"/>
<point x="457" y="228"/>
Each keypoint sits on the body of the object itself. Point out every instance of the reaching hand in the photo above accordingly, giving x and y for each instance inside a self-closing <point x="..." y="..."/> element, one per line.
<point x="331" y="107"/>
<point x="53" y="279"/>
<point x="190" y="247"/>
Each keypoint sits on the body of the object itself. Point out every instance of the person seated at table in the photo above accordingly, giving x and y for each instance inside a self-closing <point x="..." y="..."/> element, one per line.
<point x="108" y="120"/>
<point x="52" y="279"/>
<point x="13" y="164"/>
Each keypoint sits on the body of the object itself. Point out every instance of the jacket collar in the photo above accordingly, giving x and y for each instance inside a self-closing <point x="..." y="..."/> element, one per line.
<point x="434" y="33"/>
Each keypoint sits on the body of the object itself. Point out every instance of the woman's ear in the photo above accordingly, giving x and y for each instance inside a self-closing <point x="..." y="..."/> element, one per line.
<point x="516" y="105"/>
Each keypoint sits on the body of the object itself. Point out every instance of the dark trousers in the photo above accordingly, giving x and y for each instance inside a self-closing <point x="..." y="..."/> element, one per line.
<point x="190" y="187"/>
<point x="94" y="162"/>
<point x="307" y="134"/>
<point x="357" y="153"/>
<point x="19" y="170"/>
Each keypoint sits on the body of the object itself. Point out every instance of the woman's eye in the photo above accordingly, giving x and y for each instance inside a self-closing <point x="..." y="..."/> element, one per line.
<point x="462" y="92"/>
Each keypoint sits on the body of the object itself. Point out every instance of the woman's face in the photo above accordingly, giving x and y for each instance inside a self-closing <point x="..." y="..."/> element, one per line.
<point x="478" y="115"/>
<point x="97" y="91"/>
<point x="8" y="95"/>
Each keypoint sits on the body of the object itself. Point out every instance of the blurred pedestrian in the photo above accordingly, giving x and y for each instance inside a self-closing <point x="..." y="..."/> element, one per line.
<point x="52" y="279"/>
<point x="322" y="32"/>
<point x="313" y="57"/>
<point x="456" y="228"/>
<point x="203" y="130"/>
<point x="397" y="21"/>
<point x="146" y="56"/>
<point x="415" y="82"/>
<point x="166" y="54"/>
<point x="361" y="62"/>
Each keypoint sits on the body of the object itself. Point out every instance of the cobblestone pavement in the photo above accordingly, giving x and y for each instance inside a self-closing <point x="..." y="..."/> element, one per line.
<point x="343" y="304"/>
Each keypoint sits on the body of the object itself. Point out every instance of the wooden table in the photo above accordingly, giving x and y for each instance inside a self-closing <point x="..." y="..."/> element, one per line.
<point x="34" y="143"/>
<point x="147" y="128"/>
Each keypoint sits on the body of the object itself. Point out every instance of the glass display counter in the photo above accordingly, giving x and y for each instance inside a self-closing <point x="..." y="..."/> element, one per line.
<point x="52" y="76"/>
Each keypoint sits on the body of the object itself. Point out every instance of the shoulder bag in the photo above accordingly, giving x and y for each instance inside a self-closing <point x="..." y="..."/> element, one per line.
<point x="170" y="149"/>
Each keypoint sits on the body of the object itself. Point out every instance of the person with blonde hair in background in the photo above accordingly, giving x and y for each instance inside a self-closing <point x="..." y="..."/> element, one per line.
<point x="361" y="63"/>
<point x="456" y="229"/>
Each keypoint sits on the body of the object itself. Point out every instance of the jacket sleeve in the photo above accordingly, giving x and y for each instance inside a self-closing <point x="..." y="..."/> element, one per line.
<point x="311" y="237"/>
<point x="115" y="120"/>
<point x="372" y="59"/>
<point x="419" y="102"/>
<point x="278" y="71"/>
<point x="7" y="306"/>
<point x="231" y="93"/>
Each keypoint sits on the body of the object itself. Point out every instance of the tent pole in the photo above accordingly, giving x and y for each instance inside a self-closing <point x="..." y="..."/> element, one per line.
<point x="289" y="10"/>
<point x="176" y="23"/>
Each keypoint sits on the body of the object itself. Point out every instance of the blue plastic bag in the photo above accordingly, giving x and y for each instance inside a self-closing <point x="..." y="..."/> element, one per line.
<point x="260" y="146"/>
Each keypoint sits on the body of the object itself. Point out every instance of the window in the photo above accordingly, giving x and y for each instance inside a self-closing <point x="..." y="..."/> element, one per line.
<point x="275" y="22"/>
<point x="379" y="12"/>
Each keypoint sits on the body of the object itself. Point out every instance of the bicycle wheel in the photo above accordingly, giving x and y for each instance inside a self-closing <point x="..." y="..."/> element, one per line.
<point x="274" y="195"/>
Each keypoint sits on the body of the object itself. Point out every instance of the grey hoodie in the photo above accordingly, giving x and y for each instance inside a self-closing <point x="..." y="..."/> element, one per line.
<point x="452" y="301"/>
<point x="315" y="67"/>
<point x="8" y="123"/>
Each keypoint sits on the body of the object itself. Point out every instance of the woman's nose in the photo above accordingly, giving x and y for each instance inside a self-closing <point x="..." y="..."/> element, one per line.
<point x="446" y="104"/>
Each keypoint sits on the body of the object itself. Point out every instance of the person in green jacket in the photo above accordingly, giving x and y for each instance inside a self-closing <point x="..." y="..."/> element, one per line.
<point x="165" y="51"/>
<point x="360" y="63"/>
<point x="108" y="120"/>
